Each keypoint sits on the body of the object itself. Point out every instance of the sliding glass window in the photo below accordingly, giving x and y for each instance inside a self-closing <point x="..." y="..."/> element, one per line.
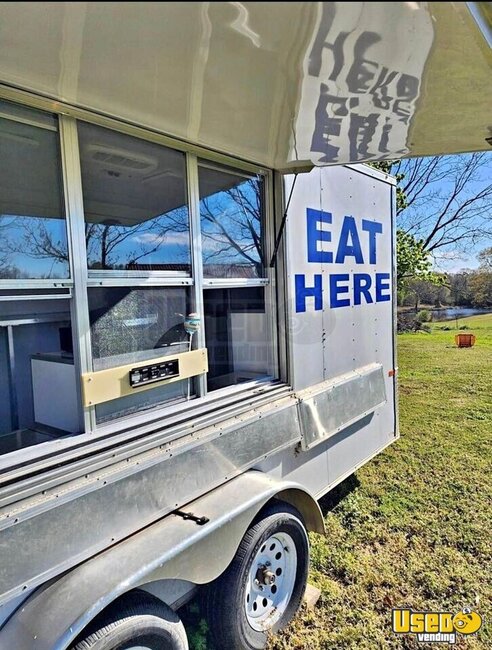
<point x="130" y="325"/>
<point x="231" y="215"/>
<point x="137" y="229"/>
<point x="238" y="304"/>
<point x="133" y="308"/>
<point x="135" y="205"/>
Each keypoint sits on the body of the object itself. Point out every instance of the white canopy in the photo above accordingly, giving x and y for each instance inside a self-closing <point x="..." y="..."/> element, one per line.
<point x="284" y="85"/>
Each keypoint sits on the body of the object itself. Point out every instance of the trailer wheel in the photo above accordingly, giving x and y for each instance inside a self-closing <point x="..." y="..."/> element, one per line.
<point x="137" y="621"/>
<point x="262" y="588"/>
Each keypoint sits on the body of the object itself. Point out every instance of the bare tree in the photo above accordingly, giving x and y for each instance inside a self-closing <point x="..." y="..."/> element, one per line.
<point x="447" y="200"/>
<point x="232" y="229"/>
<point x="109" y="245"/>
<point x="5" y="254"/>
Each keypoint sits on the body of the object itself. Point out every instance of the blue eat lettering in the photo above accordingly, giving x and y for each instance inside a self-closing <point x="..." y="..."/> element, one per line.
<point x="314" y="235"/>
<point x="349" y="230"/>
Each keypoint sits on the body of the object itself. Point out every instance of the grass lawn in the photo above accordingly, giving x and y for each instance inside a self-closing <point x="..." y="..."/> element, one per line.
<point x="414" y="526"/>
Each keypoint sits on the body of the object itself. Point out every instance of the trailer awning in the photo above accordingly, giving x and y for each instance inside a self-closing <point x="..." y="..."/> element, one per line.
<point x="285" y="85"/>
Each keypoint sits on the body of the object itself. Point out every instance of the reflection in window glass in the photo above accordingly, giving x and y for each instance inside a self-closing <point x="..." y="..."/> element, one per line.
<point x="238" y="336"/>
<point x="129" y="325"/>
<point x="135" y="204"/>
<point x="33" y="238"/>
<point x="231" y="213"/>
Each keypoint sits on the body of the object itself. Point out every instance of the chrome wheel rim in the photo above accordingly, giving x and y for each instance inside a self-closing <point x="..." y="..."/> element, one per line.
<point x="271" y="581"/>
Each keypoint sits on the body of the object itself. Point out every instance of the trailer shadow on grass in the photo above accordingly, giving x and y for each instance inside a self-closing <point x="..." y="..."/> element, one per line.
<point x="196" y="625"/>
<point x="331" y="500"/>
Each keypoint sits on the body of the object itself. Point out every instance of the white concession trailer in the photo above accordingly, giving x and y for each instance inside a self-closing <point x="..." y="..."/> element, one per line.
<point x="197" y="282"/>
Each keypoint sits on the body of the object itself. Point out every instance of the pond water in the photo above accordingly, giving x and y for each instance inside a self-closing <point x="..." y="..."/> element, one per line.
<point x="455" y="312"/>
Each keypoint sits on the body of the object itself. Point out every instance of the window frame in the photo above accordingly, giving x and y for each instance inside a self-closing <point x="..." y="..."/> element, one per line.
<point x="40" y="283"/>
<point x="268" y="279"/>
<point x="170" y="278"/>
<point x="110" y="278"/>
<point x="226" y="283"/>
<point x="81" y="278"/>
<point x="37" y="285"/>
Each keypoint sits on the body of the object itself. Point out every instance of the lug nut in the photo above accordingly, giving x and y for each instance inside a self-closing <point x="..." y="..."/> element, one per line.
<point x="268" y="578"/>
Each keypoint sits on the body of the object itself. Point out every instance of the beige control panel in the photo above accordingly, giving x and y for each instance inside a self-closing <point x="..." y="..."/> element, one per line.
<point x="105" y="385"/>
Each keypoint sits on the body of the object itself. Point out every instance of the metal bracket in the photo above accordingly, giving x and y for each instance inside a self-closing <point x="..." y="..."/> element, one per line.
<point x="200" y="521"/>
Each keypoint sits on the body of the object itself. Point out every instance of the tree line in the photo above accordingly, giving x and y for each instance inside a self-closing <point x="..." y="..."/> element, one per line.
<point x="467" y="288"/>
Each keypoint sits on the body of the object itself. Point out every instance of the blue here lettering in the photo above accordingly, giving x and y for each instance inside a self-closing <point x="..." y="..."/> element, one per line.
<point x="303" y="292"/>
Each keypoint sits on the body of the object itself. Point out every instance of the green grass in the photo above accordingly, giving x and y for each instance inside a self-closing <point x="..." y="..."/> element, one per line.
<point x="413" y="527"/>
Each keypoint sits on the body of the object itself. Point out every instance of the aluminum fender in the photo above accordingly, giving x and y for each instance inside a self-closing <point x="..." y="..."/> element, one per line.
<point x="171" y="548"/>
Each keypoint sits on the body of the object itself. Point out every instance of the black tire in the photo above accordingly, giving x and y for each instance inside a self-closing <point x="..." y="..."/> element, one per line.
<point x="225" y="597"/>
<point x="137" y="618"/>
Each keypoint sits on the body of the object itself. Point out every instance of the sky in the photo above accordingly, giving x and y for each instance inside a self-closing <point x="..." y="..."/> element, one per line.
<point x="456" y="261"/>
<point x="462" y="254"/>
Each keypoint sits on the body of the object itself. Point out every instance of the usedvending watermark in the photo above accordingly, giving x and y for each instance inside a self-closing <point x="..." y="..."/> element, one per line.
<point x="436" y="627"/>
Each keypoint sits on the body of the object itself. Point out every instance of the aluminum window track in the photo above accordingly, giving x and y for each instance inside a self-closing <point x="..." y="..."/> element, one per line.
<point x="25" y="481"/>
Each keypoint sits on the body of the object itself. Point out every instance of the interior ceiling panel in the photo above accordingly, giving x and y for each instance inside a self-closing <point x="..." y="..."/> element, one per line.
<point x="282" y="84"/>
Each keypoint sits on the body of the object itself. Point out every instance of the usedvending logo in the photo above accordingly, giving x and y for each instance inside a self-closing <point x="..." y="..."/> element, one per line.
<point x="436" y="627"/>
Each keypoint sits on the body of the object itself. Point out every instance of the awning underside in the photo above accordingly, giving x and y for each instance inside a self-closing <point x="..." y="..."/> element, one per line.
<point x="284" y="85"/>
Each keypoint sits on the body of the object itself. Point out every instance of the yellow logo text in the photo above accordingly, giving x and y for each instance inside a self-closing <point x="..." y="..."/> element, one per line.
<point x="435" y="627"/>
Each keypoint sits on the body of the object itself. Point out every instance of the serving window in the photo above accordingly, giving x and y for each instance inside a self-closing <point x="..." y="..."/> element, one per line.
<point x="134" y="325"/>
<point x="239" y="336"/>
<point x="123" y="265"/>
